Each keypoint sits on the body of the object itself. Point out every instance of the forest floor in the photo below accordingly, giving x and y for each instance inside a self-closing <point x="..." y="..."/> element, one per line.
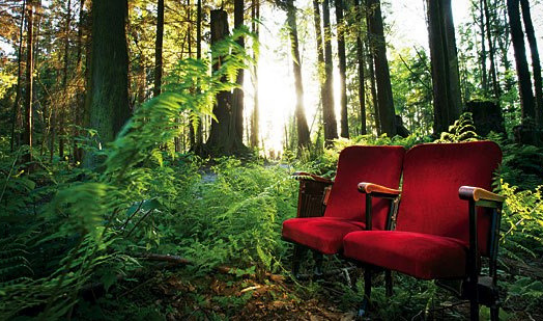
<point x="182" y="294"/>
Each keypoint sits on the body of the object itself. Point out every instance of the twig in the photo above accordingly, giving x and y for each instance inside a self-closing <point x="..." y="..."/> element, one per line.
<point x="138" y="222"/>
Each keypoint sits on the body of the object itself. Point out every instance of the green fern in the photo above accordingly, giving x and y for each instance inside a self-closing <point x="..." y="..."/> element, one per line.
<point x="463" y="130"/>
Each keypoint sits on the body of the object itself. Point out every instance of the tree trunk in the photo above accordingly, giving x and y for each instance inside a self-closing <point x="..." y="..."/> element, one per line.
<point x="255" y="15"/>
<point x="79" y="107"/>
<point x="491" y="51"/>
<point x="342" y="67"/>
<point x="321" y="71"/>
<point x="108" y="86"/>
<point x="220" y="127"/>
<point x="16" y="121"/>
<point x="387" y="115"/>
<point x="361" y="67"/>
<point x="198" y="149"/>
<point x="523" y="73"/>
<point x="64" y="111"/>
<point x="328" y="108"/>
<point x="361" y="85"/>
<point x="158" y="47"/>
<point x="444" y="61"/>
<point x="536" y="63"/>
<point x="222" y="137"/>
<point x="484" y="79"/>
<point x="238" y="97"/>
<point x="301" y="121"/>
<point x="27" y="138"/>
<point x="373" y="87"/>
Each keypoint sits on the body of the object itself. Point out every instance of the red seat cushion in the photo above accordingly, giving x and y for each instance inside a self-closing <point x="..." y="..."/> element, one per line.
<point x="373" y="164"/>
<point x="432" y="231"/>
<point x="346" y="206"/>
<point x="420" y="255"/>
<point x="432" y="175"/>
<point x="324" y="234"/>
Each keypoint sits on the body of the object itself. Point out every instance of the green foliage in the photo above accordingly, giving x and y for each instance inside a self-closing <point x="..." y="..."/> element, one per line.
<point x="66" y="232"/>
<point x="522" y="165"/>
<point x="522" y="221"/>
<point x="463" y="130"/>
<point x="234" y="215"/>
<point x="528" y="289"/>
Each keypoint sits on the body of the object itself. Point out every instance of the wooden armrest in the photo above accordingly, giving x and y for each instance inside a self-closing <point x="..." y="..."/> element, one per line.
<point x="370" y="188"/>
<point x="312" y="177"/>
<point x="476" y="194"/>
<point x="326" y="197"/>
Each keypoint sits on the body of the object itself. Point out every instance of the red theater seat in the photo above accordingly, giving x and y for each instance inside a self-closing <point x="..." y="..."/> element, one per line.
<point x="446" y="222"/>
<point x="346" y="207"/>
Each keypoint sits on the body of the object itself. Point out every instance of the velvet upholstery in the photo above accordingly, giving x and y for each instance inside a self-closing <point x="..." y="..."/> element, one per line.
<point x="432" y="232"/>
<point x="324" y="234"/>
<point x="421" y="255"/>
<point x="346" y="207"/>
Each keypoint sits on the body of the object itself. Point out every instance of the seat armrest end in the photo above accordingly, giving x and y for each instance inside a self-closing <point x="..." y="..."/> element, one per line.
<point x="477" y="194"/>
<point x="370" y="188"/>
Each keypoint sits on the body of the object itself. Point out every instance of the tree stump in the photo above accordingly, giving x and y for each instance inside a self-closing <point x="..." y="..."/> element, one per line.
<point x="487" y="117"/>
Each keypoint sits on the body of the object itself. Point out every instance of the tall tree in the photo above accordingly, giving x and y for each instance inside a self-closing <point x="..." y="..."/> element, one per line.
<point x="223" y="139"/>
<point x="444" y="61"/>
<point x="107" y="98"/>
<point x="482" y="54"/>
<point x="301" y="121"/>
<point x="342" y="67"/>
<point x="238" y="96"/>
<point x="158" y="47"/>
<point x="387" y="115"/>
<point x="536" y="62"/>
<point x="16" y="121"/>
<point x="79" y="109"/>
<point x="321" y="71"/>
<point x="27" y="138"/>
<point x="491" y="52"/>
<point x="218" y="135"/>
<point x="255" y="16"/>
<point x="328" y="110"/>
<point x="64" y="111"/>
<point x="199" y="142"/>
<point x="361" y="68"/>
<point x="523" y="73"/>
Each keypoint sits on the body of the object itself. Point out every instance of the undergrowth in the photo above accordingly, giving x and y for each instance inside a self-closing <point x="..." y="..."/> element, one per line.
<point x="64" y="228"/>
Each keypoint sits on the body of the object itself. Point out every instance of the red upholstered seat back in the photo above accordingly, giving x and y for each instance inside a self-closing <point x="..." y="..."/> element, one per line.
<point x="374" y="164"/>
<point x="432" y="175"/>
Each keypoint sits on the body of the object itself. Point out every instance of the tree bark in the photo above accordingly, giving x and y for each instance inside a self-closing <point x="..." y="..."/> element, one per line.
<point x="27" y="138"/>
<point x="255" y="15"/>
<point x="491" y="52"/>
<point x="342" y="68"/>
<point x="158" y="48"/>
<point x="238" y="96"/>
<point x="79" y="107"/>
<point x="321" y="71"/>
<point x="484" y="78"/>
<point x="361" y="85"/>
<point x="107" y="101"/>
<point x="536" y="63"/>
<point x="301" y="121"/>
<point x="16" y="121"/>
<point x="373" y="87"/>
<point x="525" y="85"/>
<point x="387" y="115"/>
<point x="198" y="149"/>
<point x="361" y="67"/>
<point x="328" y="108"/>
<point x="444" y="61"/>
<point x="64" y="111"/>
